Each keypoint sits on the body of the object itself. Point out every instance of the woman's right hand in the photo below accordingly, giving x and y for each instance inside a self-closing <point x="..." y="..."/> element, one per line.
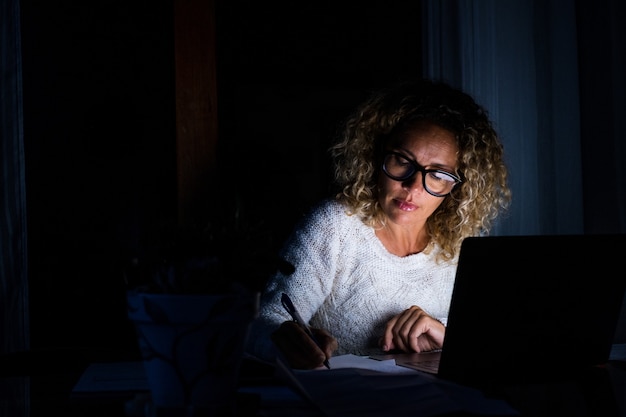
<point x="299" y="349"/>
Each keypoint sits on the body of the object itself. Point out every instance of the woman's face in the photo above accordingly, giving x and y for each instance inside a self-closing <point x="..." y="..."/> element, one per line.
<point x="407" y="203"/>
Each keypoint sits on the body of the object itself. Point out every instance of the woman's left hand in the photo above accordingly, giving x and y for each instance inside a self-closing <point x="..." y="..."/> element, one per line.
<point x="413" y="331"/>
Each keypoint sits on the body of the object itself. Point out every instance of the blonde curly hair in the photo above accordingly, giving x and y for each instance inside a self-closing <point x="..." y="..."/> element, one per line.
<point x="472" y="206"/>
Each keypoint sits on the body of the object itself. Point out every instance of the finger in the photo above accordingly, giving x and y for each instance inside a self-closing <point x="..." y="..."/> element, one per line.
<point x="433" y="335"/>
<point x="400" y="338"/>
<point x="413" y="328"/>
<point x="427" y="334"/>
<point x="386" y="341"/>
<point x="298" y="340"/>
<point x="404" y="327"/>
<point x="327" y="342"/>
<point x="297" y="346"/>
<point x="415" y="339"/>
<point x="393" y="338"/>
<point x="298" y="359"/>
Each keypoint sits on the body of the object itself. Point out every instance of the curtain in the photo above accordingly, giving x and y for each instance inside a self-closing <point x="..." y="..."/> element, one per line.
<point x="602" y="48"/>
<point x="14" y="334"/>
<point x="535" y="66"/>
<point x="13" y="255"/>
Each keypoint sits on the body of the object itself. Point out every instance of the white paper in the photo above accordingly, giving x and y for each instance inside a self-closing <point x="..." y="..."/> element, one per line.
<point x="365" y="362"/>
<point x="363" y="387"/>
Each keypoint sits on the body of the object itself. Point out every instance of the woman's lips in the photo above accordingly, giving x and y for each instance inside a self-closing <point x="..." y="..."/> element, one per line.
<point x="405" y="205"/>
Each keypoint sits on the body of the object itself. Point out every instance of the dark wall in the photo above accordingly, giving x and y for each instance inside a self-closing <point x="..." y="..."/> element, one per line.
<point x="100" y="133"/>
<point x="100" y="157"/>
<point x="288" y="73"/>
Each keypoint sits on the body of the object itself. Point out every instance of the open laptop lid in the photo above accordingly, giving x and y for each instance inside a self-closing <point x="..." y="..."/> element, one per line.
<point x="532" y="308"/>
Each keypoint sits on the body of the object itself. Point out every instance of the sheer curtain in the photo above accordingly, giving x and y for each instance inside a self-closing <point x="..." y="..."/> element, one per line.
<point x="529" y="64"/>
<point x="14" y="318"/>
<point x="13" y="266"/>
<point x="551" y="74"/>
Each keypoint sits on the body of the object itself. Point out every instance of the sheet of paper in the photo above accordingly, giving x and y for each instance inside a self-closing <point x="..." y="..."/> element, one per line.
<point x="365" y="362"/>
<point x="357" y="387"/>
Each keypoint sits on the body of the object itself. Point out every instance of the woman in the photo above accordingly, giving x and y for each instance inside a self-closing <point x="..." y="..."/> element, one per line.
<point x="418" y="168"/>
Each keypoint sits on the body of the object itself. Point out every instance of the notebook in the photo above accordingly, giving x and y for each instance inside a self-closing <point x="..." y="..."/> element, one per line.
<point x="529" y="309"/>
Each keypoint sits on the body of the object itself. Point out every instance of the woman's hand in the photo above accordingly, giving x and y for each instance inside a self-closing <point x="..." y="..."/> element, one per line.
<point x="299" y="349"/>
<point x="413" y="331"/>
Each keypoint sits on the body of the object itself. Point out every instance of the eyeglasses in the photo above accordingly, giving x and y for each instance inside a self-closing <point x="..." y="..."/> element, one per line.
<point x="436" y="181"/>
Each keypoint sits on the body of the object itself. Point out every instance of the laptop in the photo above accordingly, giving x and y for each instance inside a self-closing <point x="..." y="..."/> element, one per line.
<point x="529" y="309"/>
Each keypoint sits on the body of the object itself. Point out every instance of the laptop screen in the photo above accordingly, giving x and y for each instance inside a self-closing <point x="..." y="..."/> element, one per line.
<point x="533" y="308"/>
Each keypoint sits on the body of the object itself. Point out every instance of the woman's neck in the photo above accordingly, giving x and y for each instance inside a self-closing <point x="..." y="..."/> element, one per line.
<point x="403" y="241"/>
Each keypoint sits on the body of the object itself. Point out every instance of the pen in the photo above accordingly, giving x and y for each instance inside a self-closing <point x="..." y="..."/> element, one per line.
<point x="291" y="309"/>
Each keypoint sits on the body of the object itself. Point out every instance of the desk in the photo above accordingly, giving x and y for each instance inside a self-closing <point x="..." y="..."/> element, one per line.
<point x="40" y="385"/>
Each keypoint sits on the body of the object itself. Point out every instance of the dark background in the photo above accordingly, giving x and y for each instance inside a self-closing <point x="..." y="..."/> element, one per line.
<point x="99" y="126"/>
<point x="288" y="73"/>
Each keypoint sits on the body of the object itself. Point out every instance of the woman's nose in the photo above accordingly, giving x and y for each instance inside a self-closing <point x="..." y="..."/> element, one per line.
<point x="413" y="183"/>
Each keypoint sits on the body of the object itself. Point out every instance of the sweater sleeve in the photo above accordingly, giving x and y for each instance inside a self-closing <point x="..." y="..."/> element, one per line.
<point x="308" y="263"/>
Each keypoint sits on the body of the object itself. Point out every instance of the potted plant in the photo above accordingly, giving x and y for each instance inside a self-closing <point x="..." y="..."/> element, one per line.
<point x="191" y="298"/>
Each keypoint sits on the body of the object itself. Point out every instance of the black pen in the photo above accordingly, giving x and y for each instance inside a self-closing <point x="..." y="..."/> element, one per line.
<point x="291" y="309"/>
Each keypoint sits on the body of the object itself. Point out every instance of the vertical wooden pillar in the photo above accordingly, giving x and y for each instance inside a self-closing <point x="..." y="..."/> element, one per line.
<point x="196" y="109"/>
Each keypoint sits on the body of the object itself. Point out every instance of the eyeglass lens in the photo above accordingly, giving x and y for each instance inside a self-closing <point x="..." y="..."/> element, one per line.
<point x="400" y="168"/>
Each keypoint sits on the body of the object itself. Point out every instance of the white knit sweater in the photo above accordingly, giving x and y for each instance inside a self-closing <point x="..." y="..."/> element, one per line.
<point x="345" y="281"/>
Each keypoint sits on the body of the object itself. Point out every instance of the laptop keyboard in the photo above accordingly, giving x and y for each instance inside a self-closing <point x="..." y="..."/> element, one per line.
<point x="431" y="366"/>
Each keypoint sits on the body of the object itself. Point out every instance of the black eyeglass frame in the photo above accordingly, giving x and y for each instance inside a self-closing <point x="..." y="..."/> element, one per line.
<point x="418" y="168"/>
